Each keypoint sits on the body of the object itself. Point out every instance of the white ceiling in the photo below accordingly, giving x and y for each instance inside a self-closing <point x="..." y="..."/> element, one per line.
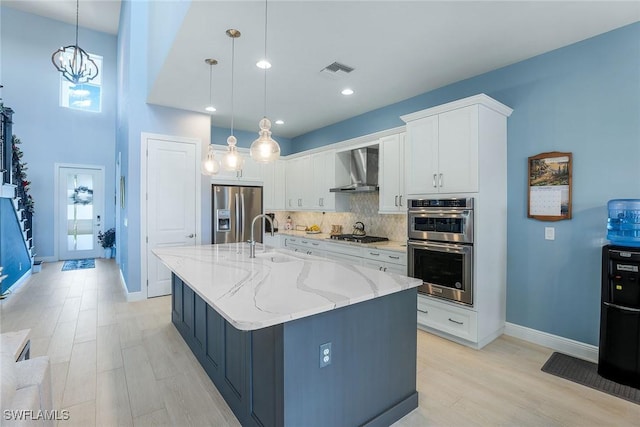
<point x="398" y="49"/>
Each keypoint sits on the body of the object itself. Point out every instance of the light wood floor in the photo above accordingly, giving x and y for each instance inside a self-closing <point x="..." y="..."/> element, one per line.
<point x="120" y="364"/>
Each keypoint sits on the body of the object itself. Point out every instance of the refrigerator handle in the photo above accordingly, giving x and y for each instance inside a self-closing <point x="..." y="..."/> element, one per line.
<point x="244" y="220"/>
<point x="238" y="220"/>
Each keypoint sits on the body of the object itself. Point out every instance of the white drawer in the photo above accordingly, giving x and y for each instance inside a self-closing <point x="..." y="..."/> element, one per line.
<point x="456" y="321"/>
<point x="343" y="249"/>
<point x="343" y="257"/>
<point x="392" y="257"/>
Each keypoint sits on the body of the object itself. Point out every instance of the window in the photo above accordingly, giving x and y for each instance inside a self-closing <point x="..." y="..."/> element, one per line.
<point x="87" y="96"/>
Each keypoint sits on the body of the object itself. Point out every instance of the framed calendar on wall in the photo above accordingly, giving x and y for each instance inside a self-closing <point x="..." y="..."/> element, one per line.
<point x="549" y="197"/>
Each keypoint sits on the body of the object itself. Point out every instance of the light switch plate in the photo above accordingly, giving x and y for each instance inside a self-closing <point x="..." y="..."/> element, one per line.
<point x="549" y="233"/>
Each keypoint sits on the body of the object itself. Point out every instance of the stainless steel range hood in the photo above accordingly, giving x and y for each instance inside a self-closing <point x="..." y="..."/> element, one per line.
<point x="364" y="171"/>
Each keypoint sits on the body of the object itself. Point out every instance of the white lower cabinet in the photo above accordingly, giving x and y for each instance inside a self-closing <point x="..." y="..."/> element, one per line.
<point x="457" y="321"/>
<point x="306" y="246"/>
<point x="391" y="261"/>
<point x="383" y="260"/>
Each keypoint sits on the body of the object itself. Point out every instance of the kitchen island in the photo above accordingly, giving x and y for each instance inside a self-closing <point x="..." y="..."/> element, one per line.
<point x="261" y="328"/>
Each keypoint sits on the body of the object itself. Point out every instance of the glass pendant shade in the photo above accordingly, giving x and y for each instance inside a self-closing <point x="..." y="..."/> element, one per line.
<point x="265" y="149"/>
<point x="232" y="160"/>
<point x="210" y="165"/>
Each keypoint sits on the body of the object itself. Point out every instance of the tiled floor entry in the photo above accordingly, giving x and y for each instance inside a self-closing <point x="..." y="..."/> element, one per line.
<point x="120" y="364"/>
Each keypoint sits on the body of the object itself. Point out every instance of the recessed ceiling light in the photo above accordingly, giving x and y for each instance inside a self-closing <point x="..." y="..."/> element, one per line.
<point x="263" y="64"/>
<point x="211" y="108"/>
<point x="347" y="91"/>
<point x="279" y="122"/>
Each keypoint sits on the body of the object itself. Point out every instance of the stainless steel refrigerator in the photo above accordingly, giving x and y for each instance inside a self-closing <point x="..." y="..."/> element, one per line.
<point x="234" y="207"/>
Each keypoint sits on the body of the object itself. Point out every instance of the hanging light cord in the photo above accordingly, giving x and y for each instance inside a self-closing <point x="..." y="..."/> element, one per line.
<point x="77" y="20"/>
<point x="233" y="48"/>
<point x="265" y="58"/>
<point x="210" y="77"/>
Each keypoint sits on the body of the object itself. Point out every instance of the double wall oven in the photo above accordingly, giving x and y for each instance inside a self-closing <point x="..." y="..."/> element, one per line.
<point x="440" y="247"/>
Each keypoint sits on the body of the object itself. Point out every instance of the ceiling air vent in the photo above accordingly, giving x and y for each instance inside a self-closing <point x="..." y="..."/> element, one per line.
<point x="336" y="70"/>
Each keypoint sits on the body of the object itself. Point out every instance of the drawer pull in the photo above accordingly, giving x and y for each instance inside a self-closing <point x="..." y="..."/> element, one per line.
<point x="374" y="254"/>
<point x="456" y="322"/>
<point x="394" y="257"/>
<point x="315" y="244"/>
<point x="424" y="311"/>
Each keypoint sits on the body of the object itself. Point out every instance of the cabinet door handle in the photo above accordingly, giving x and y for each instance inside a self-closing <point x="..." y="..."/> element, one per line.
<point x="400" y="200"/>
<point x="385" y="269"/>
<point x="440" y="181"/>
<point x="456" y="322"/>
<point x="191" y="236"/>
<point x="396" y="202"/>
<point x="434" y="180"/>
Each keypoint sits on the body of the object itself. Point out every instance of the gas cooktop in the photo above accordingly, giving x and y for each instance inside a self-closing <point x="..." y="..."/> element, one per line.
<point x="358" y="239"/>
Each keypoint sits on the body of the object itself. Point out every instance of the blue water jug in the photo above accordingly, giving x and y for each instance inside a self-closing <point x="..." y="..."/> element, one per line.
<point x="623" y="224"/>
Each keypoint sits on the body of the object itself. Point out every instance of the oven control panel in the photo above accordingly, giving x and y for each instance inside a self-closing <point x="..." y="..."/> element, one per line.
<point x="441" y="203"/>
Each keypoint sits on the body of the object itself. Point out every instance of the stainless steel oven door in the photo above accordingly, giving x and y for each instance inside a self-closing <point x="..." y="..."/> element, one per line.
<point x="446" y="269"/>
<point x="448" y="225"/>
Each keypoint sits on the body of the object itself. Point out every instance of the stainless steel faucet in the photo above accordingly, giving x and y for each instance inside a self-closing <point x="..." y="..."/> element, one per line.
<point x="252" y="242"/>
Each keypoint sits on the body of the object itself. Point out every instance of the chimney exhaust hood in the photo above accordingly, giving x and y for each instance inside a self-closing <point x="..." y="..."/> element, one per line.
<point x="364" y="171"/>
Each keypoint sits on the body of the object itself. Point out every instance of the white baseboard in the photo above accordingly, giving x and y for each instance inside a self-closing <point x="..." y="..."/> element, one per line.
<point x="46" y="259"/>
<point x="131" y="296"/>
<point x="564" y="345"/>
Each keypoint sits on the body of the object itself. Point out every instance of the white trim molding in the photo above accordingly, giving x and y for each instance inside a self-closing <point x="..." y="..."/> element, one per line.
<point x="563" y="345"/>
<point x="130" y="296"/>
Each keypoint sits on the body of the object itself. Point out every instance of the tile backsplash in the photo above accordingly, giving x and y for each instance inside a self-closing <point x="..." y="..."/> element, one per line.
<point x="364" y="208"/>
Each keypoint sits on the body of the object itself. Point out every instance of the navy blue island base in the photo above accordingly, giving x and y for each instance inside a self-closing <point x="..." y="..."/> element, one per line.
<point x="272" y="376"/>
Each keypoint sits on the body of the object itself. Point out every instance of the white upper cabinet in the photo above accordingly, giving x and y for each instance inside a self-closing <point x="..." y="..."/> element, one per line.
<point x="458" y="150"/>
<point x="391" y="174"/>
<point x="309" y="179"/>
<point x="251" y="171"/>
<point x="298" y="175"/>
<point x="444" y="145"/>
<point x="273" y="174"/>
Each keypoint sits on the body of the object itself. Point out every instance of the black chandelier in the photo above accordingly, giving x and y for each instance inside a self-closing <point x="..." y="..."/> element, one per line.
<point x="73" y="62"/>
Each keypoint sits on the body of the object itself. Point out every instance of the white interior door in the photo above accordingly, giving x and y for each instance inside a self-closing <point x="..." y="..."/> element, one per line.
<point x="80" y="211"/>
<point x="172" y="189"/>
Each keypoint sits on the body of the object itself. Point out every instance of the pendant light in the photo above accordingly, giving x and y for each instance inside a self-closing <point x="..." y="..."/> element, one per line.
<point x="73" y="62"/>
<point x="232" y="160"/>
<point x="210" y="165"/>
<point x="265" y="149"/>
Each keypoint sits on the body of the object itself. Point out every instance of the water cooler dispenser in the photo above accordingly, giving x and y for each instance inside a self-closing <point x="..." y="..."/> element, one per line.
<point x="619" y="352"/>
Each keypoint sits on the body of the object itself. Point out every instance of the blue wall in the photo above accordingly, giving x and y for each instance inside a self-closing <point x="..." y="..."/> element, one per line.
<point x="584" y="99"/>
<point x="52" y="134"/>
<point x="134" y="117"/>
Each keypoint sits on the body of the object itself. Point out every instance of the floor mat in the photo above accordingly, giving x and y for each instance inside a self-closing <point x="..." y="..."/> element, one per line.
<point x="78" y="264"/>
<point x="586" y="373"/>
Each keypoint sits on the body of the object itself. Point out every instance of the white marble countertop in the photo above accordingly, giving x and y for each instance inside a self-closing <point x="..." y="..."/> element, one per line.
<point x="389" y="245"/>
<point x="278" y="285"/>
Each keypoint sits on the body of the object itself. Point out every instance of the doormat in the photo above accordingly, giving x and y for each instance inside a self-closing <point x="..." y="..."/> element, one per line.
<point x="586" y="373"/>
<point x="78" y="264"/>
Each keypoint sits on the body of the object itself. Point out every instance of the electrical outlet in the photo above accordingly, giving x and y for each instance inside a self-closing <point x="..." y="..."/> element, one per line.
<point x="325" y="354"/>
<point x="549" y="233"/>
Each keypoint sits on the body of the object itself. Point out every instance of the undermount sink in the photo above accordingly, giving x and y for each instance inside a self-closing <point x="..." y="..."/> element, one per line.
<point x="276" y="258"/>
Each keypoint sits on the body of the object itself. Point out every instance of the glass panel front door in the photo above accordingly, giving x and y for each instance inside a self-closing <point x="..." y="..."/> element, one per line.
<point x="80" y="212"/>
<point x="81" y="199"/>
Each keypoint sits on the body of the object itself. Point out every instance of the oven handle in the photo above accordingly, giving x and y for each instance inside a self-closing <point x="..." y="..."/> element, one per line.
<point x="437" y="213"/>
<point x="441" y="247"/>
